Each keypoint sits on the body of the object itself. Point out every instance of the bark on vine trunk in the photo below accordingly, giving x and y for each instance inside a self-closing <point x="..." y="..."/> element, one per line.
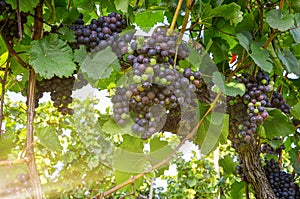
<point x="33" y="173"/>
<point x="254" y="172"/>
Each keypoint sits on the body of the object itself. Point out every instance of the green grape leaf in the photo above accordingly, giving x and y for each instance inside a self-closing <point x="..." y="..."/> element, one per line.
<point x="237" y="190"/>
<point x="232" y="88"/>
<point x="248" y="24"/>
<point x="296" y="50"/>
<point x="295" y="111"/>
<point x="122" y="176"/>
<point x="235" y="88"/>
<point x="244" y="38"/>
<point x="111" y="127"/>
<point x="283" y="126"/>
<point x="277" y="20"/>
<point x="80" y="54"/>
<point x="148" y="19"/>
<point x="261" y="57"/>
<point x="210" y="131"/>
<point x="99" y="65"/>
<point x="228" y="165"/>
<point x="295" y="31"/>
<point x="290" y="61"/>
<point x="295" y="159"/>
<point x="122" y="5"/>
<point x="48" y="138"/>
<point x="24" y="5"/>
<point x="159" y="150"/>
<point x="219" y="80"/>
<point x="51" y="56"/>
<point x="67" y="34"/>
<point x="51" y="6"/>
<point x="3" y="47"/>
<point x="132" y="144"/>
<point x="230" y="12"/>
<point x="129" y="155"/>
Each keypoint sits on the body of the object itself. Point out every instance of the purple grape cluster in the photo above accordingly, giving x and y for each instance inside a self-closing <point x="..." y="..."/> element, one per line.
<point x="17" y="188"/>
<point x="9" y="25"/>
<point x="247" y="112"/>
<point x="268" y="149"/>
<point x="60" y="91"/>
<point x="157" y="88"/>
<point x="281" y="182"/>
<point x="100" y="32"/>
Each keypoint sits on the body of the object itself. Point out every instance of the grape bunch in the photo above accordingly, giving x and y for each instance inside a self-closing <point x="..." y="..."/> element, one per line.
<point x="99" y="31"/>
<point x="17" y="188"/>
<point x="281" y="182"/>
<point x="268" y="149"/>
<point x="9" y="26"/>
<point x="60" y="91"/>
<point x="249" y="111"/>
<point x="158" y="90"/>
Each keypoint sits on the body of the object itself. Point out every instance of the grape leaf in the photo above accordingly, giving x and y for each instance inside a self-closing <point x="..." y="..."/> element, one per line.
<point x="121" y="176"/>
<point x="232" y="88"/>
<point x="296" y="111"/>
<point x="228" y="164"/>
<point x="148" y="19"/>
<point x="80" y="54"/>
<point x="51" y="7"/>
<point x="244" y="39"/>
<point x="67" y="34"/>
<point x="159" y="150"/>
<point x="290" y="61"/>
<point x="261" y="57"/>
<point x="3" y="47"/>
<point x="295" y="31"/>
<point x="111" y="127"/>
<point x="229" y="12"/>
<point x="277" y="20"/>
<point x="24" y="5"/>
<point x="296" y="50"/>
<point x="122" y="5"/>
<point x="237" y="190"/>
<point x="235" y="88"/>
<point x="283" y="126"/>
<point x="48" y="137"/>
<point x="219" y="80"/>
<point x="129" y="156"/>
<point x="99" y="65"/>
<point x="51" y="56"/>
<point x="209" y="132"/>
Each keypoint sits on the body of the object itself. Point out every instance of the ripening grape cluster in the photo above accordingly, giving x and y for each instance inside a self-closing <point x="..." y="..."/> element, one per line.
<point x="60" y="91"/>
<point x="156" y="87"/>
<point x="249" y="111"/>
<point x="100" y="32"/>
<point x="17" y="188"/>
<point x="268" y="149"/>
<point x="281" y="182"/>
<point x="9" y="25"/>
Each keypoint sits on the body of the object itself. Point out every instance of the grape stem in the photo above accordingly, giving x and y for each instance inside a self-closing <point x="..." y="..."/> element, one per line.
<point x="12" y="162"/>
<point x="175" y="16"/>
<point x="15" y="55"/>
<point x="33" y="173"/>
<point x="168" y="158"/>
<point x="19" y="20"/>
